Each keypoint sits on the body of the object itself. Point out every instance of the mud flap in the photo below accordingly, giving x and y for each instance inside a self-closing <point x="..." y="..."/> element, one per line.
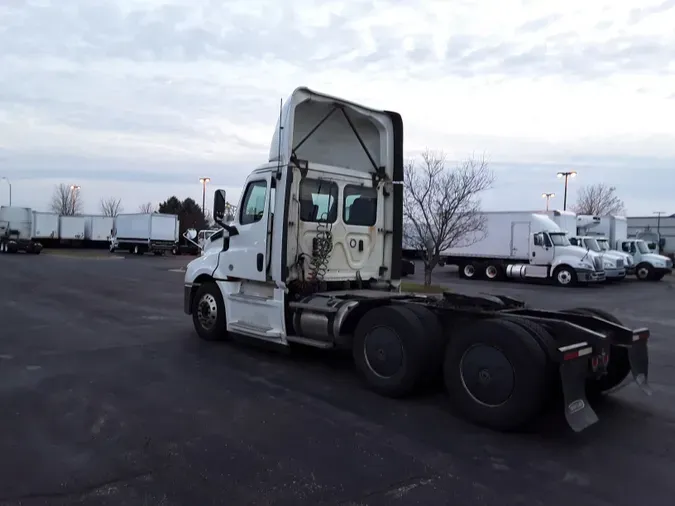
<point x="578" y="412"/>
<point x="639" y="365"/>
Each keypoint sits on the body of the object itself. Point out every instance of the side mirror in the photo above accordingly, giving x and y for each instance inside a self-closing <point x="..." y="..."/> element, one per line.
<point x="219" y="209"/>
<point x="191" y="234"/>
<point x="219" y="204"/>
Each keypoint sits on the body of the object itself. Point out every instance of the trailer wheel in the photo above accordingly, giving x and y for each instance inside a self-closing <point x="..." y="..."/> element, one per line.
<point x="564" y="275"/>
<point x="494" y="272"/>
<point x="618" y="367"/>
<point x="390" y="350"/>
<point x="3" y="247"/>
<point x="434" y="331"/>
<point x="468" y="271"/>
<point x="495" y="373"/>
<point x="208" y="313"/>
<point x="644" y="272"/>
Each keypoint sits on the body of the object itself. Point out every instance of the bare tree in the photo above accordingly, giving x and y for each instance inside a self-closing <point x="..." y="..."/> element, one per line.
<point x="598" y="200"/>
<point x="441" y="206"/>
<point x="66" y="200"/>
<point x="111" y="206"/>
<point x="146" y="208"/>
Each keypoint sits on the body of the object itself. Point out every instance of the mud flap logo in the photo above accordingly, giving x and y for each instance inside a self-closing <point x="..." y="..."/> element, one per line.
<point x="576" y="406"/>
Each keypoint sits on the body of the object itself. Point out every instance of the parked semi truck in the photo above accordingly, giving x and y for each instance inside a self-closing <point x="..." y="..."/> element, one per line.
<point x="524" y="245"/>
<point x="145" y="233"/>
<point x="16" y="226"/>
<point x="313" y="258"/>
<point x="647" y="266"/>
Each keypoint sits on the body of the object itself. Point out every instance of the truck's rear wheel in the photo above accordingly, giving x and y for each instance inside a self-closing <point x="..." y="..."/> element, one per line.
<point x="618" y="367"/>
<point x="495" y="374"/>
<point x="3" y="247"/>
<point x="434" y="338"/>
<point x="390" y="349"/>
<point x="493" y="272"/>
<point x="468" y="271"/>
<point x="208" y="313"/>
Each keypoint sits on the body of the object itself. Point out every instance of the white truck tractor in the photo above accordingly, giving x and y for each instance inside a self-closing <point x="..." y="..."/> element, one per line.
<point x="646" y="265"/>
<point x="524" y="245"/>
<point x="313" y="258"/>
<point x="614" y="265"/>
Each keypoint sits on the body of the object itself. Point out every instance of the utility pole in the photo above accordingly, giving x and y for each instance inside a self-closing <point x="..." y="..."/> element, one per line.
<point x="203" y="181"/>
<point x="658" y="228"/>
<point x="10" y="189"/>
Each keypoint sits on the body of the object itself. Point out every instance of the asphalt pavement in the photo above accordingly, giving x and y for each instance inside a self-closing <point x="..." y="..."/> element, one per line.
<point x="108" y="397"/>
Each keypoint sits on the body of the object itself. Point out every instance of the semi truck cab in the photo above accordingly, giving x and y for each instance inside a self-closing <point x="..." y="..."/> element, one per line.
<point x="648" y="266"/>
<point x="613" y="264"/>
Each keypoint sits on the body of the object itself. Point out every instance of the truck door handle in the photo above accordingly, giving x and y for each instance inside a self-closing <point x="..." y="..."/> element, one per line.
<point x="259" y="260"/>
<point x="534" y="254"/>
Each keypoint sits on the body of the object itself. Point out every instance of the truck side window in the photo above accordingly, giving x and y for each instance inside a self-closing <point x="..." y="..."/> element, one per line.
<point x="318" y="201"/>
<point x="547" y="241"/>
<point x="254" y="202"/>
<point x="360" y="205"/>
<point x="538" y="241"/>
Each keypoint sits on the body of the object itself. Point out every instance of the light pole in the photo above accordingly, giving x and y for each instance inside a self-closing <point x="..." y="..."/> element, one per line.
<point x="547" y="196"/>
<point x="10" y="190"/>
<point x="566" y="175"/>
<point x="203" y="181"/>
<point x="73" y="199"/>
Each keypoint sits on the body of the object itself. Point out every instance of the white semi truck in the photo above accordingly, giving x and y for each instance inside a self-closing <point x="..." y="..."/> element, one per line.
<point x="646" y="265"/>
<point x="16" y="230"/>
<point x="313" y="258"/>
<point x="524" y="245"/>
<point x="141" y="233"/>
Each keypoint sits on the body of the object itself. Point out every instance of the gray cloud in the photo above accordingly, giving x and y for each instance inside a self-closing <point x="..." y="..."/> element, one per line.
<point x="537" y="24"/>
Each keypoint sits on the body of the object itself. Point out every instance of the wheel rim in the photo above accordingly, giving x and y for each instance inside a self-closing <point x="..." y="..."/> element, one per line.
<point x="487" y="375"/>
<point x="469" y="271"/>
<point x="207" y="311"/>
<point x="564" y="277"/>
<point x="383" y="352"/>
<point x="491" y="272"/>
<point x="643" y="272"/>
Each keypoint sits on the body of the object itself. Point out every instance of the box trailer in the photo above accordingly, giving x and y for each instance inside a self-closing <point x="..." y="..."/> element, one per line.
<point x="16" y="230"/>
<point x="98" y="229"/>
<point x="521" y="245"/>
<point x="45" y="226"/>
<point x="71" y="228"/>
<point x="145" y="232"/>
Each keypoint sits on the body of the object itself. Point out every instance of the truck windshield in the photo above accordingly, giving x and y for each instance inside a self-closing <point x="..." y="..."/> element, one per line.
<point x="642" y="247"/>
<point x="592" y="244"/>
<point x="559" y="239"/>
<point x="604" y="245"/>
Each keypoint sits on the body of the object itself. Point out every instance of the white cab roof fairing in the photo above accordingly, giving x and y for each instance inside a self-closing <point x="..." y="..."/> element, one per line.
<point x="543" y="223"/>
<point x="333" y="131"/>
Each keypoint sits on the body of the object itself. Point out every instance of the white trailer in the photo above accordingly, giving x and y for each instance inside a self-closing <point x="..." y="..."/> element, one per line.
<point x="16" y="230"/>
<point x="45" y="227"/>
<point x="71" y="228"/>
<point x="520" y="245"/>
<point x="145" y="232"/>
<point x="98" y="229"/>
<point x="288" y="273"/>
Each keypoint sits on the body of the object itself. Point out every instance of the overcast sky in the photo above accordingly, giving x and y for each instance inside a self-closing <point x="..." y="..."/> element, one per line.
<point x="139" y="98"/>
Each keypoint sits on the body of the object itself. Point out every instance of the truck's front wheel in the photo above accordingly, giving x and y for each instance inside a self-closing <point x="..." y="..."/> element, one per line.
<point x="496" y="374"/>
<point x="208" y="313"/>
<point x="564" y="276"/>
<point x="644" y="272"/>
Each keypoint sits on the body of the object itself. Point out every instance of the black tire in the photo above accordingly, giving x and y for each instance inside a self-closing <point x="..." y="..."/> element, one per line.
<point x="644" y="271"/>
<point x="564" y="275"/>
<point x="494" y="272"/>
<point x="618" y="368"/>
<point x="518" y="393"/>
<point x="469" y="271"/>
<point x="3" y="248"/>
<point x="436" y="340"/>
<point x="207" y="301"/>
<point x="390" y="350"/>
